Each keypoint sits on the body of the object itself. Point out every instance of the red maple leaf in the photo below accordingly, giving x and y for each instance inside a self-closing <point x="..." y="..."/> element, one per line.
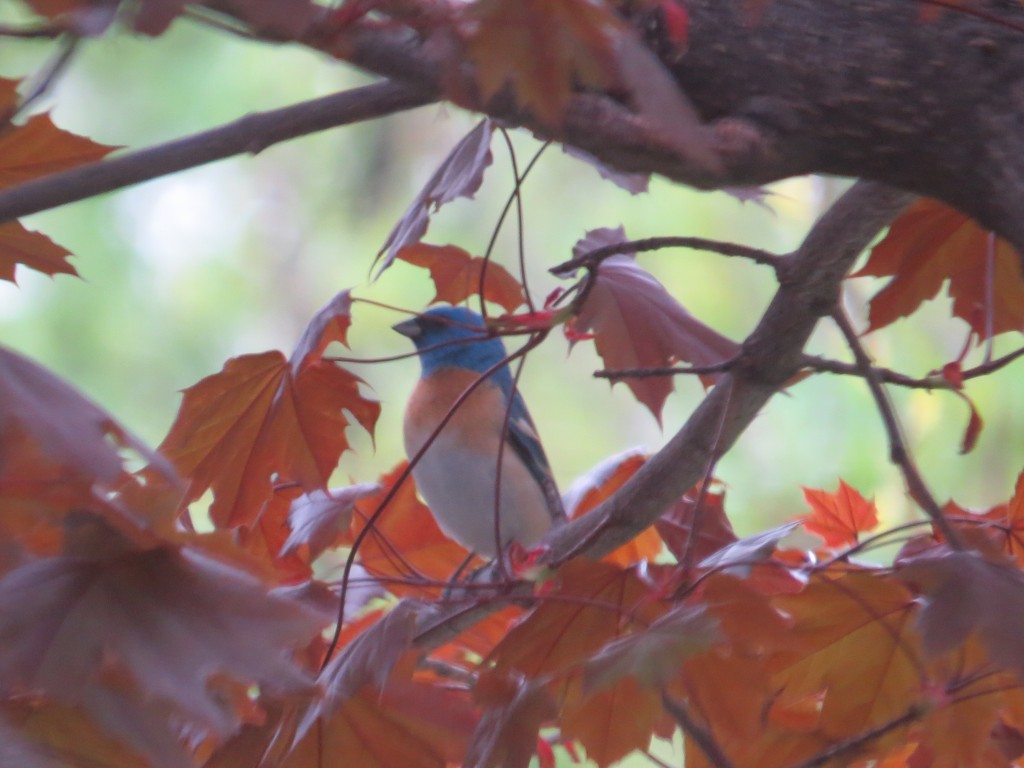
<point x="840" y="517"/>
<point x="931" y="244"/>
<point x="637" y="324"/>
<point x="456" y="275"/>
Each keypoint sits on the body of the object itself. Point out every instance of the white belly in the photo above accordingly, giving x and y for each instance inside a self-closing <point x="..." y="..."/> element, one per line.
<point x="459" y="487"/>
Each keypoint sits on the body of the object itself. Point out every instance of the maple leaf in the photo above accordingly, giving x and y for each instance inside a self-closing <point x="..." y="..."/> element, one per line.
<point x="932" y="243"/>
<point x="714" y="531"/>
<point x="47" y="734"/>
<point x="257" y="420"/>
<point x="1003" y="523"/>
<point x="739" y="555"/>
<point x="840" y="517"/>
<point x="366" y="661"/>
<point x="456" y="275"/>
<point x="405" y="540"/>
<point x="41" y="413"/>
<point x="730" y="684"/>
<point x="590" y="604"/>
<point x="318" y="519"/>
<point x="598" y="485"/>
<point x="460" y="175"/>
<point x="855" y="641"/>
<point x="568" y="41"/>
<point x="38" y="148"/>
<point x="653" y="656"/>
<point x="967" y="593"/>
<point x="32" y="249"/>
<point x="507" y="734"/>
<point x="637" y="324"/>
<point x="330" y="324"/>
<point x="162" y="622"/>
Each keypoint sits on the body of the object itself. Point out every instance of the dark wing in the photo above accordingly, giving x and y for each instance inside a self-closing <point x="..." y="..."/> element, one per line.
<point x="523" y="439"/>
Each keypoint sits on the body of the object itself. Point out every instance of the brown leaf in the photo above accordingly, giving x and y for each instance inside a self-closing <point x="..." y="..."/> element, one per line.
<point x="637" y="324"/>
<point x="506" y="736"/>
<point x="932" y="243"/>
<point x="714" y="531"/>
<point x="135" y="636"/>
<point x="598" y="485"/>
<point x="62" y="425"/>
<point x="330" y="324"/>
<point x="406" y="540"/>
<point x="368" y="660"/>
<point x="460" y="175"/>
<point x="31" y="249"/>
<point x="318" y="519"/>
<point x="967" y="593"/>
<point x="652" y="656"/>
<point x="45" y="734"/>
<point x="456" y="275"/>
<point x="257" y="420"/>
<point x="38" y="148"/>
<point x="741" y="554"/>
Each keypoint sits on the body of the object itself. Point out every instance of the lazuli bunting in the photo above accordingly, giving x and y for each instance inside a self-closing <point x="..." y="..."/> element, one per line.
<point x="457" y="476"/>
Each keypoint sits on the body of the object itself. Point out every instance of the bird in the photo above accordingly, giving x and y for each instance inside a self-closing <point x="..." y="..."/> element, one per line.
<point x="457" y="474"/>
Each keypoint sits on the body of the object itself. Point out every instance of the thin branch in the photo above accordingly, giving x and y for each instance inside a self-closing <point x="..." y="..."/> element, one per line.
<point x="826" y="365"/>
<point x="700" y="736"/>
<point x="36" y="31"/>
<point x="46" y="77"/>
<point x="858" y="742"/>
<point x="820" y="365"/>
<point x="616" y="374"/>
<point x="252" y="133"/>
<point x="593" y="258"/>
<point x="898" y="453"/>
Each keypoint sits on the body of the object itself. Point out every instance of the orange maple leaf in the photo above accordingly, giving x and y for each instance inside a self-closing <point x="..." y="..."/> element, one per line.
<point x="840" y="517"/>
<point x="405" y="543"/>
<point x="600" y="484"/>
<point x="932" y="243"/>
<point x="258" y="421"/>
<point x="855" y="643"/>
<point x="457" y="275"/>
<point x="35" y="148"/>
<point x="589" y="605"/>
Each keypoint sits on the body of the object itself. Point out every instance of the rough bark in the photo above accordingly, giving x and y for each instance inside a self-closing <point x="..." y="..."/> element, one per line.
<point x="865" y="89"/>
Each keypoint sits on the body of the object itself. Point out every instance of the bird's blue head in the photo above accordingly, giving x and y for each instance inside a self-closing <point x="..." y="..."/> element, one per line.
<point x="453" y="337"/>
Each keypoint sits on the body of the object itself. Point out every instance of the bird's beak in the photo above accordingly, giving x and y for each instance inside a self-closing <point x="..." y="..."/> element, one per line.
<point x="410" y="327"/>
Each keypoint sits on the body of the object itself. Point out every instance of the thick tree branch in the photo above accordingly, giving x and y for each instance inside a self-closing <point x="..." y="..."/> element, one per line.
<point x="252" y="133"/>
<point x="771" y="356"/>
<point x="859" y="89"/>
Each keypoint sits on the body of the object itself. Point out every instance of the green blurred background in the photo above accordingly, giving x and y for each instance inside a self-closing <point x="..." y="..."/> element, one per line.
<point x="183" y="272"/>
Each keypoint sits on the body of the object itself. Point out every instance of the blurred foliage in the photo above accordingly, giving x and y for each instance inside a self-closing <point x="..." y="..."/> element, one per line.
<point x="183" y="272"/>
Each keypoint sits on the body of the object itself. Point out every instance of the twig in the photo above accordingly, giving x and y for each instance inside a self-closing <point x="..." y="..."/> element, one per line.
<point x="37" y="31"/>
<point x="898" y="453"/>
<point x="702" y="737"/>
<point x="857" y="742"/>
<point x="933" y="381"/>
<point x="820" y="365"/>
<point x="674" y="370"/>
<point x="593" y="258"/>
<point x="48" y="75"/>
<point x="252" y="133"/>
